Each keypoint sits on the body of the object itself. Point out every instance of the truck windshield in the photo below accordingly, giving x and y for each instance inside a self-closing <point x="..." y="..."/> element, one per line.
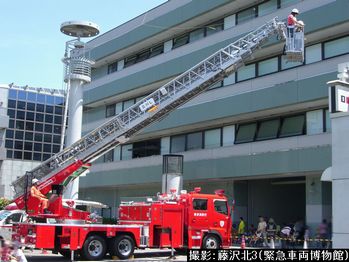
<point x="221" y="206"/>
<point x="4" y="214"/>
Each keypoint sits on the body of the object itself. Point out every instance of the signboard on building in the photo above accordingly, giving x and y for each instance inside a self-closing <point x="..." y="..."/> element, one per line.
<point x="339" y="98"/>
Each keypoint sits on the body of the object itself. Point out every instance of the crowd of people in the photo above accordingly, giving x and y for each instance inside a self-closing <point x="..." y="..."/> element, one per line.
<point x="289" y="235"/>
<point x="11" y="251"/>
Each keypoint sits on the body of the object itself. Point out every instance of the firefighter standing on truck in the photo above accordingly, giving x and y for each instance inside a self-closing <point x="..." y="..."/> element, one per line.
<point x="35" y="192"/>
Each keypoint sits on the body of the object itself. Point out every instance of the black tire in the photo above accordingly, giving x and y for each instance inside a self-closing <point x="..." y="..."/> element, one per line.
<point x="67" y="254"/>
<point x="211" y="241"/>
<point x="122" y="246"/>
<point x="94" y="248"/>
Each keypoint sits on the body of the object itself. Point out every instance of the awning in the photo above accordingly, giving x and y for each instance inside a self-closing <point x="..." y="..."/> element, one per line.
<point x="327" y="175"/>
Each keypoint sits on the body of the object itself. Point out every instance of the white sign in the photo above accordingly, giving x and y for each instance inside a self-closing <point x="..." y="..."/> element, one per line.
<point x="147" y="104"/>
<point x="342" y="99"/>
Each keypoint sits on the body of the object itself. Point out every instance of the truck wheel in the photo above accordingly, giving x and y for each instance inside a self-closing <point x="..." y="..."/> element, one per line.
<point x="67" y="253"/>
<point x="122" y="247"/>
<point x="94" y="248"/>
<point x="211" y="242"/>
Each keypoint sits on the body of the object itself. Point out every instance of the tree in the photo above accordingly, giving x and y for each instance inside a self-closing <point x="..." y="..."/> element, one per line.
<point x="4" y="202"/>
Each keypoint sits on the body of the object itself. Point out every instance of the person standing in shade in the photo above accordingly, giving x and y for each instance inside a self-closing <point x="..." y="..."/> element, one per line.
<point x="241" y="228"/>
<point x="262" y="230"/>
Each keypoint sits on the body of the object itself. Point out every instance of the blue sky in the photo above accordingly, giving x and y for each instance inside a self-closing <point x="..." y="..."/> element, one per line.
<point x="31" y="44"/>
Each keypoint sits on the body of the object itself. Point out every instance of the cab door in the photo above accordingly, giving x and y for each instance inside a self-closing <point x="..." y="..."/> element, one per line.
<point x="198" y="221"/>
<point x="6" y="228"/>
<point x="220" y="220"/>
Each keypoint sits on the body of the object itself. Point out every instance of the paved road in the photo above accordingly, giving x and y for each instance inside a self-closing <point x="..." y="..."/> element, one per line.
<point x="140" y="255"/>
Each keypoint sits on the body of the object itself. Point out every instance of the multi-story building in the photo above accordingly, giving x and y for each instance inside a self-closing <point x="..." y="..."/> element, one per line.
<point x="30" y="130"/>
<point x="262" y="134"/>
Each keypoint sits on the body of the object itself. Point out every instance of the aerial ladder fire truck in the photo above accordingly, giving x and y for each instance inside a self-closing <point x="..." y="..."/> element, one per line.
<point x="178" y="220"/>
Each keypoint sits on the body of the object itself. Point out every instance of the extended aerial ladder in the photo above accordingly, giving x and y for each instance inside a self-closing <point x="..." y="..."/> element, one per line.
<point x="77" y="157"/>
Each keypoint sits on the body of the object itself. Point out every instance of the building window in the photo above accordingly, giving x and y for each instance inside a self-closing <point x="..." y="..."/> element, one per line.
<point x="196" y="35"/>
<point x="213" y="138"/>
<point x="216" y="85"/>
<point x="200" y="204"/>
<point x="284" y="3"/>
<point x="194" y="141"/>
<point x="146" y="148"/>
<point x="143" y="56"/>
<point x="268" y="66"/>
<point x="110" y="110"/>
<point x="267" y="7"/>
<point x="327" y="121"/>
<point x="156" y="50"/>
<point x="268" y="129"/>
<point x="181" y="40"/>
<point x="246" y="15"/>
<point x="126" y="152"/>
<point x="292" y="126"/>
<point x="109" y="156"/>
<point x="214" y="27"/>
<point x="336" y="47"/>
<point x="313" y="54"/>
<point x="246" y="133"/>
<point x="287" y="64"/>
<point x="315" y="122"/>
<point x="178" y="144"/>
<point x="128" y="103"/>
<point x="246" y="72"/>
<point x="131" y="60"/>
<point x="113" y="67"/>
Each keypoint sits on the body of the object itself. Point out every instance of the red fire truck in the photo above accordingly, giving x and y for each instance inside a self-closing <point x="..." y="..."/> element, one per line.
<point x="187" y="220"/>
<point x="178" y="220"/>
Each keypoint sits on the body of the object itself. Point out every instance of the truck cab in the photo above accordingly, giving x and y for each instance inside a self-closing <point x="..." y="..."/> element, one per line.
<point x="7" y="218"/>
<point x="207" y="220"/>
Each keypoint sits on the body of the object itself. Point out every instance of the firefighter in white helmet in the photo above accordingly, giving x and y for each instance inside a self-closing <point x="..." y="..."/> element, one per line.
<point x="292" y="22"/>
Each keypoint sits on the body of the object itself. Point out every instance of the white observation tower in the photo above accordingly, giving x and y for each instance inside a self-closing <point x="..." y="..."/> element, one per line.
<point x="77" y="72"/>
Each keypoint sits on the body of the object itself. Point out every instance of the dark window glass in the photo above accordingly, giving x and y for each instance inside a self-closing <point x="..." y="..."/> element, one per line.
<point x="40" y="108"/>
<point x="39" y="117"/>
<point x="200" y="204"/>
<point x="20" y="115"/>
<point x="221" y="206"/>
<point x="57" y="129"/>
<point x="39" y="127"/>
<point x="194" y="141"/>
<point x="48" y="128"/>
<point x="22" y="95"/>
<point x="29" y="136"/>
<point x="113" y="67"/>
<point x="59" y="100"/>
<point x="11" y="104"/>
<point x="37" y="157"/>
<point x="47" y="148"/>
<point x="49" y="109"/>
<point x="30" y="106"/>
<point x="214" y="27"/>
<point x="50" y="100"/>
<point x="40" y="98"/>
<point x="178" y="144"/>
<point x="179" y="41"/>
<point x="11" y="113"/>
<point x="48" y="118"/>
<point x="9" y="153"/>
<point x="197" y="34"/>
<point x="110" y="110"/>
<point x="9" y="143"/>
<point x="29" y="126"/>
<point x="38" y="147"/>
<point x="156" y="50"/>
<point x="57" y="139"/>
<point x="130" y="60"/>
<point x="9" y="133"/>
<point x="143" y="56"/>
<point x="38" y="137"/>
<point x="47" y="138"/>
<point x="19" y="145"/>
<point x="31" y="97"/>
<point x="20" y="124"/>
<point x="12" y="94"/>
<point x="268" y="129"/>
<point x="146" y="148"/>
<point x="21" y="105"/>
<point x="11" y="124"/>
<point x="109" y="156"/>
<point x="292" y="126"/>
<point x="17" y="154"/>
<point x="28" y="146"/>
<point x="55" y="149"/>
<point x="27" y="156"/>
<point x="45" y="157"/>
<point x="246" y="15"/>
<point x="30" y="116"/>
<point x="58" y="120"/>
<point x="246" y="133"/>
<point x="19" y="135"/>
<point x="58" y="110"/>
